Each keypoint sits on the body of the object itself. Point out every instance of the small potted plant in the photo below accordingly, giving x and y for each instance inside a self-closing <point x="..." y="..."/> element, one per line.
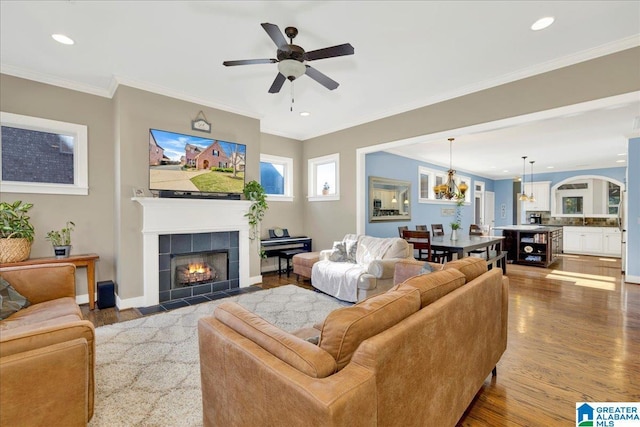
<point x="457" y="224"/>
<point x="255" y="193"/>
<point x="16" y="231"/>
<point x="325" y="189"/>
<point x="61" y="240"/>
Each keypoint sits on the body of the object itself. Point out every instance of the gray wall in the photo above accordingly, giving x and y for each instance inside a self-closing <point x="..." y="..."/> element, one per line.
<point x="136" y="111"/>
<point x="93" y="214"/>
<point x="598" y="78"/>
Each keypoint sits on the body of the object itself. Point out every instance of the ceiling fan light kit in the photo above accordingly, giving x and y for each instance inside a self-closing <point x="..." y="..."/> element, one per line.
<point x="291" y="59"/>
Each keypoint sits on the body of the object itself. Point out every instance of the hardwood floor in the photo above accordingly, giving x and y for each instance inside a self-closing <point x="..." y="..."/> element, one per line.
<point x="574" y="336"/>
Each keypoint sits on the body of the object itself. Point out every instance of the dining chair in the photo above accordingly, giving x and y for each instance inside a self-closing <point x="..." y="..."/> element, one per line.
<point x="476" y="230"/>
<point x="421" y="228"/>
<point x="437" y="230"/>
<point x="401" y="229"/>
<point x="421" y="241"/>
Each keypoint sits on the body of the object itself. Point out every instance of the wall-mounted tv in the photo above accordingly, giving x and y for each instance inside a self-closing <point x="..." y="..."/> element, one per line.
<point x="191" y="166"/>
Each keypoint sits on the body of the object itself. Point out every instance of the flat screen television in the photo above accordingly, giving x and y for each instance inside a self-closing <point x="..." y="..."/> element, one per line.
<point x="191" y="166"/>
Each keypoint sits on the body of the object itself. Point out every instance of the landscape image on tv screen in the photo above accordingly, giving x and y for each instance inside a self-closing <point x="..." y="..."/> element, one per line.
<point x="186" y="163"/>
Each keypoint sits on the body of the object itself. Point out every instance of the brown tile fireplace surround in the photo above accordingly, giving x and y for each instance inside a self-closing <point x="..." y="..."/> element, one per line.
<point x="207" y="241"/>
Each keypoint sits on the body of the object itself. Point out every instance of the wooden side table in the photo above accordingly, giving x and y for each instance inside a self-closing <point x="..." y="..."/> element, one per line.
<point x="83" y="260"/>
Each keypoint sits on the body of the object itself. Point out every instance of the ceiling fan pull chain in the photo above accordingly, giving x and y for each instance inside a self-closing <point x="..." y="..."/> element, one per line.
<point x="292" y="96"/>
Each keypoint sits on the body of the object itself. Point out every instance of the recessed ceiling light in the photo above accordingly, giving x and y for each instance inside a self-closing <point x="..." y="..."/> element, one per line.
<point x="620" y="161"/>
<point x="61" y="38"/>
<point x="549" y="167"/>
<point x="542" y="23"/>
<point x="622" y="154"/>
<point x="505" y="171"/>
<point x="305" y="113"/>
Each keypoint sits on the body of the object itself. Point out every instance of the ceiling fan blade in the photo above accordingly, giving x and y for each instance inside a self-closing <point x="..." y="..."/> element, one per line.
<point x="276" y="35"/>
<point x="250" y="62"/>
<point x="330" y="52"/>
<point x="321" y="78"/>
<point x="277" y="83"/>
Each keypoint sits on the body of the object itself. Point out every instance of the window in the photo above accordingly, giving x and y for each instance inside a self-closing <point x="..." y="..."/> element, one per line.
<point x="613" y="198"/>
<point x="572" y="205"/>
<point x="42" y="156"/>
<point x="324" y="178"/>
<point x="276" y="176"/>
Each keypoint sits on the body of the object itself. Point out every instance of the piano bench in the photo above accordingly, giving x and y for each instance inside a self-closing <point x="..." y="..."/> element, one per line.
<point x="303" y="263"/>
<point x="287" y="255"/>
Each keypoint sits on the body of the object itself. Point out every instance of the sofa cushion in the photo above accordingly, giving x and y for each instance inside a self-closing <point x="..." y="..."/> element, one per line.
<point x="339" y="253"/>
<point x="345" y="328"/>
<point x="302" y="355"/>
<point x="10" y="300"/>
<point x="43" y="312"/>
<point x="433" y="286"/>
<point x="471" y="267"/>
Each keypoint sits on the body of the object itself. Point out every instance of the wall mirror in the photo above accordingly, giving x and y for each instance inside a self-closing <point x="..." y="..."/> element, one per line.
<point x="587" y="196"/>
<point x="389" y="199"/>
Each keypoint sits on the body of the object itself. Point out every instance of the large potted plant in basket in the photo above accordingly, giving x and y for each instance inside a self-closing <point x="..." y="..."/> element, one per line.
<point x="16" y="232"/>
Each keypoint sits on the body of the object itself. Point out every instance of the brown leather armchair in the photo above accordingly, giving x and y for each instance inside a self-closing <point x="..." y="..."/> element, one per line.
<point x="47" y="351"/>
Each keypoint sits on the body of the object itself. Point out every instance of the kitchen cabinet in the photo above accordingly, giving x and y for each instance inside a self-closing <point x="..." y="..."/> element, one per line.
<point x="541" y="192"/>
<point x="592" y="241"/>
<point x="612" y="243"/>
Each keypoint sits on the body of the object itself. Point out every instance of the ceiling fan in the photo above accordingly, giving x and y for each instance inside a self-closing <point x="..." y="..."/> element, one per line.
<point x="291" y="58"/>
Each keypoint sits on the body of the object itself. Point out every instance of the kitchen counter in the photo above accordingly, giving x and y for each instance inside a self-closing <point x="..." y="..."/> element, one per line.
<point x="532" y="227"/>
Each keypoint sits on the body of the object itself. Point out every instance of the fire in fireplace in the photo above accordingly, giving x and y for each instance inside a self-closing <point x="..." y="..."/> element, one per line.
<point x="194" y="269"/>
<point x="195" y="273"/>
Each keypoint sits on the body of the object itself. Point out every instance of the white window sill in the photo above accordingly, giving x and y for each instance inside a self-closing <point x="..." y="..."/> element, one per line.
<point x="279" y="198"/>
<point x="327" y="198"/>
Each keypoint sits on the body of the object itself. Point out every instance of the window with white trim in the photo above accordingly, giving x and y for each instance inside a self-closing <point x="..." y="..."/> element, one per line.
<point x="324" y="178"/>
<point x="42" y="156"/>
<point x="276" y="176"/>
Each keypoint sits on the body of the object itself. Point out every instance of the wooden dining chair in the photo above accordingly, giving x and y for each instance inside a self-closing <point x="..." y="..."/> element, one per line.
<point x="421" y="228"/>
<point x="421" y="241"/>
<point x="401" y="229"/>
<point x="437" y="229"/>
<point x="476" y="230"/>
<point x="440" y="255"/>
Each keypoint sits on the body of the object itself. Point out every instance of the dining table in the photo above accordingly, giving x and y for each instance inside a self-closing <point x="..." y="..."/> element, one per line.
<point x="465" y="243"/>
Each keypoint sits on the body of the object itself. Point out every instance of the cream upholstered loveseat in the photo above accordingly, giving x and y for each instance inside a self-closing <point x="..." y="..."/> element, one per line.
<point x="47" y="351"/>
<point x="359" y="266"/>
<point x="413" y="356"/>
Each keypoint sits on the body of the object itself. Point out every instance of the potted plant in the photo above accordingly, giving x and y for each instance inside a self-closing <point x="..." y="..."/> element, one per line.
<point x="325" y="189"/>
<point x="16" y="233"/>
<point x="255" y="193"/>
<point x="457" y="224"/>
<point x="61" y="240"/>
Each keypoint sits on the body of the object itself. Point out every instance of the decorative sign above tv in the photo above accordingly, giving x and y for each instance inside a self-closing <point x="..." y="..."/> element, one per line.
<point x="194" y="167"/>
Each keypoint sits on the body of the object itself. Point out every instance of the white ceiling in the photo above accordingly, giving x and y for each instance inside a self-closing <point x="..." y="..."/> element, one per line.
<point x="407" y="55"/>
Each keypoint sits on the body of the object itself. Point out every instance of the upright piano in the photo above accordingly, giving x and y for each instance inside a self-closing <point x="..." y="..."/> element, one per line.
<point x="274" y="245"/>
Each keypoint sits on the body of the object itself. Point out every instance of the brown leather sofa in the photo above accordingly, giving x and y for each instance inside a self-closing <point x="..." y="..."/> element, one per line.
<point x="47" y="352"/>
<point x="415" y="355"/>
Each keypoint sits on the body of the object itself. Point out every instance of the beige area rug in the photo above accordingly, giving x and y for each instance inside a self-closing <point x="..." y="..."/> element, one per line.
<point x="148" y="372"/>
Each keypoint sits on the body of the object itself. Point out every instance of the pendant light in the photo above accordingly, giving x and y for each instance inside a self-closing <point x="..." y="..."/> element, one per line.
<point x="523" y="195"/>
<point x="531" y="197"/>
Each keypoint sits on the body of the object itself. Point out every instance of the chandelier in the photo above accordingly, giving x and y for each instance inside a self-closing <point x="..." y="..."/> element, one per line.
<point x="450" y="190"/>
<point x="523" y="196"/>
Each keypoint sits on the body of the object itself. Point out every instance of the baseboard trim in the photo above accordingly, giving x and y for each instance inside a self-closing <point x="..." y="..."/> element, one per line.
<point x="632" y="279"/>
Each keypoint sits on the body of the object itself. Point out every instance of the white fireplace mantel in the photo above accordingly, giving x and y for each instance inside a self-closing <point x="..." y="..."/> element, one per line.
<point x="175" y="216"/>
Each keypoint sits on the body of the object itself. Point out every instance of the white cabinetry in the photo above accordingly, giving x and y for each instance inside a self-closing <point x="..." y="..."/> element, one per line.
<point x="612" y="242"/>
<point x="592" y="241"/>
<point x="541" y="192"/>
